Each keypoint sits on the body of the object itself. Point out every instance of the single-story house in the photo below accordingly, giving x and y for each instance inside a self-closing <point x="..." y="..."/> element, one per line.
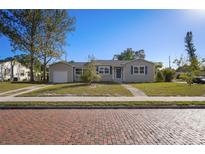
<point x="138" y="70"/>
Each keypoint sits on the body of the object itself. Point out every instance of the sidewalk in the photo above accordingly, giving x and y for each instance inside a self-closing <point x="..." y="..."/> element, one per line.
<point x="98" y="99"/>
<point x="133" y="90"/>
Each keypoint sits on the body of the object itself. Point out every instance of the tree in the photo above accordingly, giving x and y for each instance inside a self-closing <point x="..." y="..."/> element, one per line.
<point x="158" y="65"/>
<point x="127" y="54"/>
<point x="53" y="34"/>
<point x="179" y="62"/>
<point x="192" y="68"/>
<point x="22" y="27"/>
<point x="89" y="73"/>
<point x="140" y="54"/>
<point x="130" y="54"/>
<point x="24" y="59"/>
<point x="190" y="48"/>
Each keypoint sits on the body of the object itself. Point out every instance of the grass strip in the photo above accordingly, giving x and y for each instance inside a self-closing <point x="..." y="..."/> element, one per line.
<point x="103" y="104"/>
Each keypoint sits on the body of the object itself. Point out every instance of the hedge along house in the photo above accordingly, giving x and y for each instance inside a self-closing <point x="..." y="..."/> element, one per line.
<point x="138" y="70"/>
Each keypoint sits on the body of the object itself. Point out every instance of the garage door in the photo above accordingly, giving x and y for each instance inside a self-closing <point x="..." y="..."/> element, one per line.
<point x="60" y="76"/>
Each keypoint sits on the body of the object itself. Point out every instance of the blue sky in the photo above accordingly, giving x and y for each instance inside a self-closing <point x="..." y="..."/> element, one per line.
<point x="103" y="33"/>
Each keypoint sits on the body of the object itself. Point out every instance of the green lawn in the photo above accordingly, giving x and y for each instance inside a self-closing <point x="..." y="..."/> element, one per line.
<point x="101" y="104"/>
<point x="81" y="89"/>
<point x="171" y="89"/>
<point x="7" y="86"/>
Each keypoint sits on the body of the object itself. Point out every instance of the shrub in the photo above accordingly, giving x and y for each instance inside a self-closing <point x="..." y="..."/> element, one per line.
<point x="159" y="77"/>
<point x="188" y="77"/>
<point x="168" y="74"/>
<point x="90" y="75"/>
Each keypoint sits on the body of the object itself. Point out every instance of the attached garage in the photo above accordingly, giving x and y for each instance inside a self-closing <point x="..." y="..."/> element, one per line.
<point x="60" y="76"/>
<point x="61" y="72"/>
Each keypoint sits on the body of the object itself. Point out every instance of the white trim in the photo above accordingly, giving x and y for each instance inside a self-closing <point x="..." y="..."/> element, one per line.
<point x="138" y="66"/>
<point x="81" y="71"/>
<point x="115" y="74"/>
<point x="78" y="76"/>
<point x="103" y="67"/>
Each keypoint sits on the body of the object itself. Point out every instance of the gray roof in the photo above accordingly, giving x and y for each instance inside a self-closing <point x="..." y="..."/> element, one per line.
<point x="111" y="62"/>
<point x="78" y="64"/>
<point x="102" y="62"/>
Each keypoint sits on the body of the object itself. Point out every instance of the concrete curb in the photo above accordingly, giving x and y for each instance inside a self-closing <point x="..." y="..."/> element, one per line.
<point x="105" y="107"/>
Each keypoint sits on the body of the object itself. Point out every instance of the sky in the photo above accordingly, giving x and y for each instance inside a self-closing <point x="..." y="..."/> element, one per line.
<point x="103" y="33"/>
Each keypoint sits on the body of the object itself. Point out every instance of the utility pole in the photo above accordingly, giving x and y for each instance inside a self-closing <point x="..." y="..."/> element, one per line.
<point x="169" y="62"/>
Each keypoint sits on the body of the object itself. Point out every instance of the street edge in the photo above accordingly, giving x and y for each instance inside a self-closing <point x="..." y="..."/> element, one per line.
<point x="105" y="107"/>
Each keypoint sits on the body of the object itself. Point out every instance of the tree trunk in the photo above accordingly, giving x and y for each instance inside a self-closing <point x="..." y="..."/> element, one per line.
<point x="32" y="45"/>
<point x="44" y="68"/>
<point x="31" y="68"/>
<point x="12" y="71"/>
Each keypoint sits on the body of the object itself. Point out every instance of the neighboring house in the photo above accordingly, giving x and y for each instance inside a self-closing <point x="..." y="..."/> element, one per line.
<point x="9" y="67"/>
<point x="138" y="70"/>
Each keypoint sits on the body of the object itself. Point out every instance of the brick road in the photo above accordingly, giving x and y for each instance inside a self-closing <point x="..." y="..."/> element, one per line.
<point x="134" y="126"/>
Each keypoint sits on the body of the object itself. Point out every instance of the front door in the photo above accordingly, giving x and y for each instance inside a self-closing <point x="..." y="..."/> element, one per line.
<point x="118" y="73"/>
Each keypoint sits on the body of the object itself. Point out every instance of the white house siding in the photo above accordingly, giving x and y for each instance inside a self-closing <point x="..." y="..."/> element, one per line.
<point x="149" y="77"/>
<point x="61" y="67"/>
<point x="20" y="72"/>
<point x="106" y="77"/>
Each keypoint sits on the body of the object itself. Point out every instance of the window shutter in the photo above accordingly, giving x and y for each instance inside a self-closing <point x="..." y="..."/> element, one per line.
<point x="97" y="69"/>
<point x="131" y="69"/>
<point x="145" y="69"/>
<point x="110" y="69"/>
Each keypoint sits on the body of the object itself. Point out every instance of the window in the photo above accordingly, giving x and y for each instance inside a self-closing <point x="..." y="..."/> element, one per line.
<point x="6" y="71"/>
<point x="104" y="69"/>
<point x="22" y="73"/>
<point x="142" y="69"/>
<point x="136" y="70"/>
<point x="101" y="70"/>
<point x="139" y="69"/>
<point x="78" y="71"/>
<point x="78" y="74"/>
<point x="107" y="70"/>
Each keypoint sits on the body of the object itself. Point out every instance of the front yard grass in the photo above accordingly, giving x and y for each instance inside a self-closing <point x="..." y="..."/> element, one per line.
<point x="171" y="89"/>
<point x="81" y="89"/>
<point x="101" y="104"/>
<point x="7" y="86"/>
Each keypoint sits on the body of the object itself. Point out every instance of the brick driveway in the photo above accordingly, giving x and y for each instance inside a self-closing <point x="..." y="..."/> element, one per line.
<point x="133" y="126"/>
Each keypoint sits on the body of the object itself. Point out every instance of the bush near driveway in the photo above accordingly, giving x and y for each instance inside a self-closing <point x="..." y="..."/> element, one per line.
<point x="168" y="74"/>
<point x="165" y="75"/>
<point x="82" y="89"/>
<point x="170" y="89"/>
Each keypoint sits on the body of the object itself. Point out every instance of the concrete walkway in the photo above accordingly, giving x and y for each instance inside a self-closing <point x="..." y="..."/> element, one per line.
<point x="134" y="91"/>
<point x="97" y="99"/>
<point x="16" y="92"/>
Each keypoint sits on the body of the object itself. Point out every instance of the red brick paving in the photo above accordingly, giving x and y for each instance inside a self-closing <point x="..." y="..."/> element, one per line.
<point x="134" y="126"/>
